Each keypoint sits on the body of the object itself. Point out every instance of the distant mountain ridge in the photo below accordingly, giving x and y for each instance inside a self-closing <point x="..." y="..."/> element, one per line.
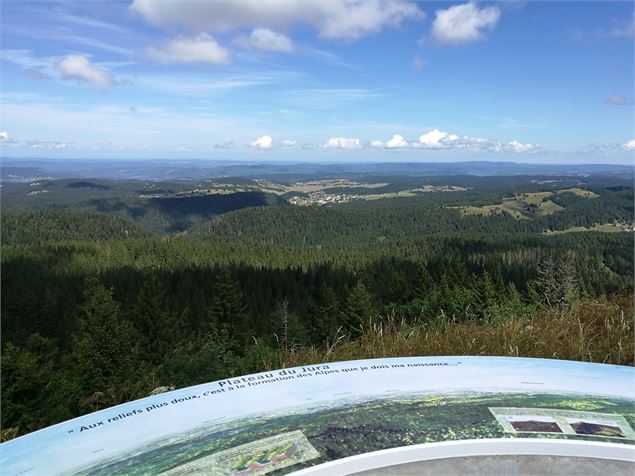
<point x="24" y="170"/>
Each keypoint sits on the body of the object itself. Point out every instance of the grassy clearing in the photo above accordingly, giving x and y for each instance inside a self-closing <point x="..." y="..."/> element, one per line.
<point x="604" y="228"/>
<point x="592" y="331"/>
<point x="312" y="186"/>
<point x="488" y="210"/>
<point x="580" y="192"/>
<point x="414" y="191"/>
<point x="533" y="197"/>
<point x="380" y="196"/>
<point x="528" y="204"/>
<point x="548" y="207"/>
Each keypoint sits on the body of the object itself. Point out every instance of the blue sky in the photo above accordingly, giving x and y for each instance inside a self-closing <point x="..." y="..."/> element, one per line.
<point x="319" y="80"/>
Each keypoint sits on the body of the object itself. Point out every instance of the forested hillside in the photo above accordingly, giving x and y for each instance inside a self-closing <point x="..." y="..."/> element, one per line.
<point x="97" y="310"/>
<point x="398" y="218"/>
<point x="42" y="227"/>
<point x="164" y="208"/>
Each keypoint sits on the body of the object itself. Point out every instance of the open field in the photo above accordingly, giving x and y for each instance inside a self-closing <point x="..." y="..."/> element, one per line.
<point x="581" y="192"/>
<point x="604" y="228"/>
<point x="313" y="185"/>
<point x="526" y="205"/>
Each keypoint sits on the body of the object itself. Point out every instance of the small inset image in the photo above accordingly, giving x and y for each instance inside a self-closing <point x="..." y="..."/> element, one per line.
<point x="585" y="426"/>
<point x="534" y="423"/>
<point x="570" y="423"/>
<point x="256" y="458"/>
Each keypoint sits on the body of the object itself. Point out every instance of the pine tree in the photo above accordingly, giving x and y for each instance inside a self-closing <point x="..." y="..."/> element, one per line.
<point x="159" y="330"/>
<point x="105" y="349"/>
<point x="487" y="294"/>
<point x="228" y="309"/>
<point x="327" y="313"/>
<point x="32" y="395"/>
<point x="358" y="310"/>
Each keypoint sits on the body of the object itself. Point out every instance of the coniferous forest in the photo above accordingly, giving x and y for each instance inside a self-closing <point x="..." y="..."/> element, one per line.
<point x="109" y="293"/>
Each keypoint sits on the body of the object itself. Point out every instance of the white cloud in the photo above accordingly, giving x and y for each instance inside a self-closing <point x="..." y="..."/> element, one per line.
<point x="4" y="136"/>
<point x="342" y="143"/>
<point x="336" y="19"/>
<point x="288" y="143"/>
<point x="199" y="49"/>
<point x="435" y="139"/>
<point x="516" y="146"/>
<point x="352" y="20"/>
<point x="630" y="145"/>
<point x="78" y="67"/>
<point x="463" y="23"/>
<point x="265" y="39"/>
<point x="395" y="142"/>
<point x="47" y="145"/>
<point x="264" y="143"/>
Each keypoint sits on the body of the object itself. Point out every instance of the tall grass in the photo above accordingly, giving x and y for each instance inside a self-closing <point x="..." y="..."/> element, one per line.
<point x="599" y="330"/>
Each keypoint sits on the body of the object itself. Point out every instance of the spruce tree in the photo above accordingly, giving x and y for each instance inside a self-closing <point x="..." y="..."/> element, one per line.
<point x="228" y="309"/>
<point x="159" y="330"/>
<point x="105" y="349"/>
<point x="358" y="310"/>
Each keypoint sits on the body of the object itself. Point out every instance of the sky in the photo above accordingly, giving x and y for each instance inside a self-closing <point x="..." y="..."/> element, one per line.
<point x="319" y="80"/>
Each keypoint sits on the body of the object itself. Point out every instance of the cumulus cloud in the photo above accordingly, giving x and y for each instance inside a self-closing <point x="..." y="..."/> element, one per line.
<point x="630" y="145"/>
<point x="436" y="139"/>
<point x="263" y="143"/>
<point x="336" y="19"/>
<point x="463" y="23"/>
<point x="288" y="143"/>
<point x="342" y="143"/>
<point x="4" y="136"/>
<point x="395" y="142"/>
<point x="352" y="20"/>
<point x="264" y="39"/>
<point x="79" y="67"/>
<point x="199" y="49"/>
<point x="518" y="147"/>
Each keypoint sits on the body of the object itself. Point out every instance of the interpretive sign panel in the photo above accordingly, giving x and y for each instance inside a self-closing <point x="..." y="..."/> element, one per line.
<point x="281" y="421"/>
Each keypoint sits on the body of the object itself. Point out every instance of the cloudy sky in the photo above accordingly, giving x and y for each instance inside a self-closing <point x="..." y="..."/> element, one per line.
<point x="332" y="80"/>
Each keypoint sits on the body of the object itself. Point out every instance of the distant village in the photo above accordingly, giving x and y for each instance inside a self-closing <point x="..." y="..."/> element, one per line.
<point x="322" y="198"/>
